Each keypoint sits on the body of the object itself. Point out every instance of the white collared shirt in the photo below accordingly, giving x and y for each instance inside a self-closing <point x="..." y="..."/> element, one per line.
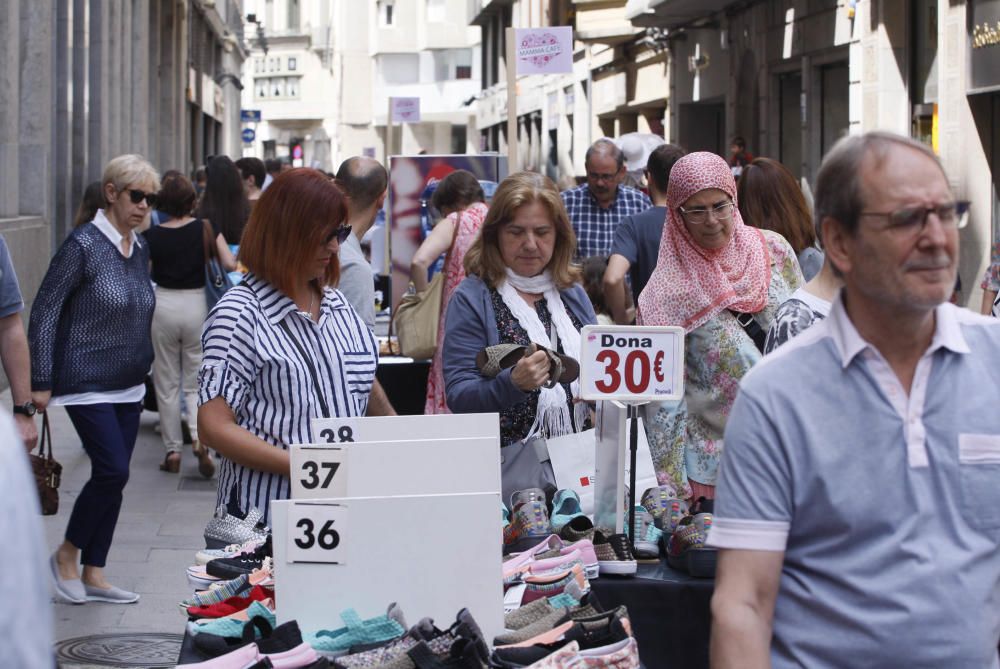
<point x="111" y="232"/>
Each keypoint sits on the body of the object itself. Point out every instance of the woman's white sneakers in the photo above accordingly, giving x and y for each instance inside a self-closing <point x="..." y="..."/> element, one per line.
<point x="112" y="595"/>
<point x="67" y="590"/>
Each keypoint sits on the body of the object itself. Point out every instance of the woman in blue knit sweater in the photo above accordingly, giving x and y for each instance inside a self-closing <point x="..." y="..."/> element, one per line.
<point x="89" y="335"/>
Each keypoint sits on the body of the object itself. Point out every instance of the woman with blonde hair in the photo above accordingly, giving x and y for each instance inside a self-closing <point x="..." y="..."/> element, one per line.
<point x="89" y="335"/>
<point x="515" y="319"/>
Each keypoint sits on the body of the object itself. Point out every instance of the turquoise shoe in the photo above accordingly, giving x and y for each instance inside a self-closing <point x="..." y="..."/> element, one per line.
<point x="358" y="632"/>
<point x="565" y="507"/>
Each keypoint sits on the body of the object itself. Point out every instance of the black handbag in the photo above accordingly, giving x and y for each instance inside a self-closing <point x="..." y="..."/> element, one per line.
<point x="216" y="280"/>
<point x="48" y="472"/>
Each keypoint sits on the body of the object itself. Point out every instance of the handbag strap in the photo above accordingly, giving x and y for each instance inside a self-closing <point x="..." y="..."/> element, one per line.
<point x="46" y="438"/>
<point x="752" y="328"/>
<point x="206" y="239"/>
<point x="312" y="369"/>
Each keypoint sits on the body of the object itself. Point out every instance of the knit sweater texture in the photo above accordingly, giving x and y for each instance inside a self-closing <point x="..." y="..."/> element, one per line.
<point x="90" y="323"/>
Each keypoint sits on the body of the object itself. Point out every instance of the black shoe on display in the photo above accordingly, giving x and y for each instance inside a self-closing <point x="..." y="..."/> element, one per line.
<point x="230" y="568"/>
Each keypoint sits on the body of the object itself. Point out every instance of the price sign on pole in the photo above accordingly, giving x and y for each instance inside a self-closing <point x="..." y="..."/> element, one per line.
<point x="631" y="363"/>
<point x="317" y="532"/>
<point x="318" y="472"/>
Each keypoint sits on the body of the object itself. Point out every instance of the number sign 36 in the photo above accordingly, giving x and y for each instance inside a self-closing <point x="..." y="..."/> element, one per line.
<point x="629" y="363"/>
<point x="317" y="532"/>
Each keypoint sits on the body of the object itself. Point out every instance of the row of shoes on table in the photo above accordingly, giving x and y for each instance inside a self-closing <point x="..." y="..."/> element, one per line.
<point x="664" y="525"/>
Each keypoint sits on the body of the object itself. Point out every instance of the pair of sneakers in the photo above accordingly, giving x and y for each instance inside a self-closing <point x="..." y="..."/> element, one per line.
<point x="225" y="529"/>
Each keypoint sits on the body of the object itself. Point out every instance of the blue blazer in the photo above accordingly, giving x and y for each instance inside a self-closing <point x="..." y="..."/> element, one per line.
<point x="470" y="326"/>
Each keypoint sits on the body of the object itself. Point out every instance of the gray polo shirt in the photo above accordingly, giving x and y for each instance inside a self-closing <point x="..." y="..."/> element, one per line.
<point x="886" y="504"/>
<point x="357" y="282"/>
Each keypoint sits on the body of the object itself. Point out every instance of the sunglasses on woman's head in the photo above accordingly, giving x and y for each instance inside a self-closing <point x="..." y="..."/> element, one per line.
<point x="340" y="233"/>
<point x="138" y="196"/>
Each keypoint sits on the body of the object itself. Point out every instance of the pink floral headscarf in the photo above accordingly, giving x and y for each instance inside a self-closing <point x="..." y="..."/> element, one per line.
<point x="692" y="284"/>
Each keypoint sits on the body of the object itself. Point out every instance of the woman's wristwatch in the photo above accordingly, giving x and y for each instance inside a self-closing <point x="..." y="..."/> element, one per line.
<point x="26" y="409"/>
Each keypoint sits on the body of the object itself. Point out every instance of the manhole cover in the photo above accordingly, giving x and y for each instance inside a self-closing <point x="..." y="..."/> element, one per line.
<point x="139" y="649"/>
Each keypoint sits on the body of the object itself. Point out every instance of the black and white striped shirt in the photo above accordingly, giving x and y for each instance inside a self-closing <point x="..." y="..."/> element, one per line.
<point x="250" y="361"/>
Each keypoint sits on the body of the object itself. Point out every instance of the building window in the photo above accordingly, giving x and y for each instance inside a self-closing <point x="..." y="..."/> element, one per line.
<point x="463" y="63"/>
<point x="386" y="11"/>
<point x="436" y="11"/>
<point x="260" y="88"/>
<point x="292" y="63"/>
<point x="278" y="87"/>
<point x="292" y="88"/>
<point x="294" y="21"/>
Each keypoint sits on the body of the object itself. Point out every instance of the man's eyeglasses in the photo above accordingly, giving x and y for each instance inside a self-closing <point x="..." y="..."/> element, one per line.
<point x="596" y="176"/>
<point x="910" y="221"/>
<point x="698" y="215"/>
<point x="340" y="234"/>
<point x="138" y="196"/>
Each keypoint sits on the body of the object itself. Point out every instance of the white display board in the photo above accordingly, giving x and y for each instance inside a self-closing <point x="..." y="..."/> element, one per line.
<point x="432" y="554"/>
<point x="612" y="460"/>
<point x="412" y="467"/>
<point x="393" y="428"/>
<point x="631" y="363"/>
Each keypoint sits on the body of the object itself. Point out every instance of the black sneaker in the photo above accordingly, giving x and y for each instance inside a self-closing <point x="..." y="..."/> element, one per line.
<point x="230" y="568"/>
<point x="593" y="632"/>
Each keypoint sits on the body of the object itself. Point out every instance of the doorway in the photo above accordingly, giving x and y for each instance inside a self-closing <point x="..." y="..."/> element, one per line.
<point x="702" y="126"/>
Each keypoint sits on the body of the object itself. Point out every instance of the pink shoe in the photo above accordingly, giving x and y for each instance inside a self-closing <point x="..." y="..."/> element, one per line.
<point x="560" y="563"/>
<point x="239" y="658"/>
<point x="301" y="656"/>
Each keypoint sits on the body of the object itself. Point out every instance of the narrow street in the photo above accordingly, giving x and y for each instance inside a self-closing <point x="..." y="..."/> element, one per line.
<point x="158" y="533"/>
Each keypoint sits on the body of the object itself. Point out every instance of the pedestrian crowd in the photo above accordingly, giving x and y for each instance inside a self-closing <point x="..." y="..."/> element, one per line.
<point x="836" y="417"/>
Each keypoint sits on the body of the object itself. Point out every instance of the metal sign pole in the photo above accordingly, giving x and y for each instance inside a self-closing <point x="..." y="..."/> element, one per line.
<point x="633" y="443"/>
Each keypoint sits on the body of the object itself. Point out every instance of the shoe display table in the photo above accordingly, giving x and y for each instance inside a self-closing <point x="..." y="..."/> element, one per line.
<point x="669" y="611"/>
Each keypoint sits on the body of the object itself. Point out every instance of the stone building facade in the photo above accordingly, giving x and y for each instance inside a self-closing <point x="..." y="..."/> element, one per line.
<point x="87" y="80"/>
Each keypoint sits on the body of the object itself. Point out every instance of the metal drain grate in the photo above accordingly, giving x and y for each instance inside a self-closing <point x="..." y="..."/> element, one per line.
<point x="137" y="649"/>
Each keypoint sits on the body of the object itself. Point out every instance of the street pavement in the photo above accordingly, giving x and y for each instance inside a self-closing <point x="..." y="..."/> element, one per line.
<point x="159" y="530"/>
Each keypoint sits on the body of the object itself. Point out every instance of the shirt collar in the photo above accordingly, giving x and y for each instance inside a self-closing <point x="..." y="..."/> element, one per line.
<point x="850" y="343"/>
<point x="111" y="232"/>
<point x="276" y="305"/>
<point x="619" y="193"/>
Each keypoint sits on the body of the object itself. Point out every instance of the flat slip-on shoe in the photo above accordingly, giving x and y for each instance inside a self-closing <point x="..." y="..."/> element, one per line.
<point x="236" y="659"/>
<point x="112" y="595"/>
<point x="494" y="359"/>
<point x="569" y="369"/>
<point x="67" y="590"/>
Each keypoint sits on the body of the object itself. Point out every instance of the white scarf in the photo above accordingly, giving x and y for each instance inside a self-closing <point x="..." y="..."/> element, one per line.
<point x="552" y="415"/>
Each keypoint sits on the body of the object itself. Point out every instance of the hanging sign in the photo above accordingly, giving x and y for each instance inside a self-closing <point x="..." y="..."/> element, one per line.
<point x="544" y="50"/>
<point x="317" y="532"/>
<point x="405" y="110"/>
<point x="631" y="363"/>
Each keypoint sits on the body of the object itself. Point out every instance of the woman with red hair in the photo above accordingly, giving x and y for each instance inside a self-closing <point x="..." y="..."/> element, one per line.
<point x="283" y="347"/>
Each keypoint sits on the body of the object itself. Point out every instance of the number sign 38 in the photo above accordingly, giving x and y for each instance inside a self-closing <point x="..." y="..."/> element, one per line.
<point x="628" y="363"/>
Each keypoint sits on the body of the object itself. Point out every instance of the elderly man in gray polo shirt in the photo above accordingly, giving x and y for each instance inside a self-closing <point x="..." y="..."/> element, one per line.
<point x="858" y="510"/>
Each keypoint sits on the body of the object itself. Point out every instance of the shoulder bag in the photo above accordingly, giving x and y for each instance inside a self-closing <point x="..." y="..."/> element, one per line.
<point x="48" y="472"/>
<point x="216" y="280"/>
<point x="416" y="317"/>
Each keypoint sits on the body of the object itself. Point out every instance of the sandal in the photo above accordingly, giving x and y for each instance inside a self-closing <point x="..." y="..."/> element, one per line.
<point x="171" y="463"/>
<point x="206" y="467"/>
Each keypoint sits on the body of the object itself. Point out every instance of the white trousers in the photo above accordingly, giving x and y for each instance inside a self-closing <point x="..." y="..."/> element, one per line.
<point x="177" y="322"/>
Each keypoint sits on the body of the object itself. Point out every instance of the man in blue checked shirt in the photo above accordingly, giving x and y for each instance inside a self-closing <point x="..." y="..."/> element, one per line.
<point x="596" y="207"/>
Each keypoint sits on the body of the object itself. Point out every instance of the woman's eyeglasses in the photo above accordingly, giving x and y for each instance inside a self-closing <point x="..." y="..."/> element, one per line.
<point x="698" y="215"/>
<point x="340" y="234"/>
<point x="138" y="196"/>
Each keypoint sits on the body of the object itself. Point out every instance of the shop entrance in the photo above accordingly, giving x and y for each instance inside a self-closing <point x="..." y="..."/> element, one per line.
<point x="702" y="126"/>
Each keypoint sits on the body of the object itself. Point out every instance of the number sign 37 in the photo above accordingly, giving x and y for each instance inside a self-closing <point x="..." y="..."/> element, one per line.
<point x="319" y="472"/>
<point x="631" y="363"/>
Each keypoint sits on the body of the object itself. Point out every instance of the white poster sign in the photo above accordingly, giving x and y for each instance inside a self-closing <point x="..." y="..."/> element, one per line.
<point x="631" y="363"/>
<point x="405" y="110"/>
<point x="544" y="50"/>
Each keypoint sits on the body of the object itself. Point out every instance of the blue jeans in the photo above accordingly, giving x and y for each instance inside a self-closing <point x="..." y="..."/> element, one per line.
<point x="108" y="433"/>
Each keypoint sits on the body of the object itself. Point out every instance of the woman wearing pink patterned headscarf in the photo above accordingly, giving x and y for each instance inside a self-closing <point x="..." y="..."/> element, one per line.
<point x="721" y="281"/>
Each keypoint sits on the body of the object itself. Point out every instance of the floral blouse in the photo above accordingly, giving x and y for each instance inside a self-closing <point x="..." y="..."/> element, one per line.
<point x="685" y="437"/>
<point x="516" y="421"/>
